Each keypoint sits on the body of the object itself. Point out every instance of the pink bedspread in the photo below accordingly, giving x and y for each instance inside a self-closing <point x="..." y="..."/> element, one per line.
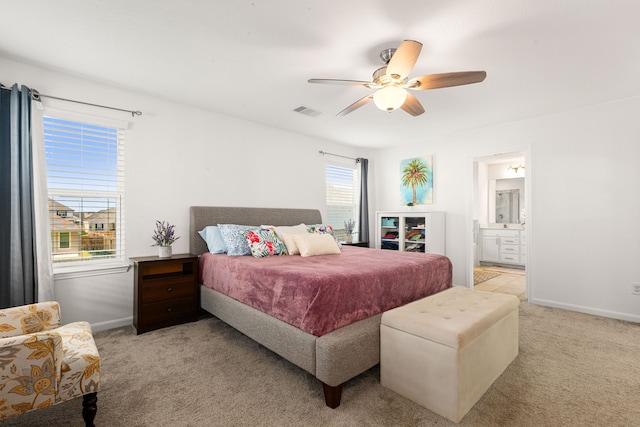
<point x="322" y="293"/>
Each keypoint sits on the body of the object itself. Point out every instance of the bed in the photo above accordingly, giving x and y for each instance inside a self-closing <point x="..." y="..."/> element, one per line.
<point x="334" y="351"/>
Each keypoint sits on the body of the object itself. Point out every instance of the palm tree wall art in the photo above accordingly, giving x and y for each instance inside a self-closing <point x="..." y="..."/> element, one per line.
<point x="416" y="181"/>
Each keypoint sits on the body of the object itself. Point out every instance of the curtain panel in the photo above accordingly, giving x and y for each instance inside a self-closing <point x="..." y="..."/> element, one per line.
<point x="18" y="277"/>
<point x="363" y="228"/>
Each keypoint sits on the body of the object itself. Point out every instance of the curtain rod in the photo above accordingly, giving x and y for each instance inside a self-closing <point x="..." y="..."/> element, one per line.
<point x="35" y="96"/>
<point x="338" y="155"/>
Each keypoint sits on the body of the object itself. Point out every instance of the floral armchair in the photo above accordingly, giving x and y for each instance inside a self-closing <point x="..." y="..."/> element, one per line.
<point x="43" y="363"/>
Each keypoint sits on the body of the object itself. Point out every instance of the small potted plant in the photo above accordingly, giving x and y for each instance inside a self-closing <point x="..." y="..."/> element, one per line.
<point x="349" y="227"/>
<point x="164" y="235"/>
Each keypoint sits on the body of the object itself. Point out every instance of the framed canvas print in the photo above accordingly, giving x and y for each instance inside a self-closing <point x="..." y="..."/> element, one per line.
<point x="416" y="181"/>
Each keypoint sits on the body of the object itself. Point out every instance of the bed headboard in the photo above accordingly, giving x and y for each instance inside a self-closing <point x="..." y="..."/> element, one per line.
<point x="201" y="216"/>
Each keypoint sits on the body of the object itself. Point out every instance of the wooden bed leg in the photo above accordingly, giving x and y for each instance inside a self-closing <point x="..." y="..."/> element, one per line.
<point x="332" y="395"/>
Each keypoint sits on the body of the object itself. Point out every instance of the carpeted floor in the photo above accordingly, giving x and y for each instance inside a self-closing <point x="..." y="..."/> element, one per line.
<point x="573" y="370"/>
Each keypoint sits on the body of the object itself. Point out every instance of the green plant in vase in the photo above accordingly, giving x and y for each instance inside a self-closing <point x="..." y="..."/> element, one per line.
<point x="349" y="228"/>
<point x="164" y="235"/>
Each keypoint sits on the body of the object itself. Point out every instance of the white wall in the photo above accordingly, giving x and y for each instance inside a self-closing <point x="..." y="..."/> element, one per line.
<point x="178" y="156"/>
<point x="583" y="227"/>
<point x="582" y="224"/>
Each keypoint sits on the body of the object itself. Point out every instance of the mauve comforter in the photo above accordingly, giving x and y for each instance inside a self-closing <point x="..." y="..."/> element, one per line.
<point x="322" y="293"/>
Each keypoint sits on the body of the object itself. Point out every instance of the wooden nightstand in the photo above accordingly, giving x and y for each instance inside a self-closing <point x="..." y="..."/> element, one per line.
<point x="354" y="243"/>
<point x="165" y="291"/>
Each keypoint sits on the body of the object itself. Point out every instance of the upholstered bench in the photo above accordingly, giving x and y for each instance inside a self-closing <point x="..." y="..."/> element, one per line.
<point x="444" y="351"/>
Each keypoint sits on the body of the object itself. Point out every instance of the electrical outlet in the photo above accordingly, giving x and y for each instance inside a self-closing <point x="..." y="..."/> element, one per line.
<point x="635" y="288"/>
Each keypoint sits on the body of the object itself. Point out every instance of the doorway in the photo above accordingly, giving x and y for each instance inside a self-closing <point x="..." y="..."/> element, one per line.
<point x="498" y="205"/>
<point x="495" y="278"/>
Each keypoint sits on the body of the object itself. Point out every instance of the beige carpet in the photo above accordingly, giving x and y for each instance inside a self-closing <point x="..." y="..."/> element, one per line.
<point x="573" y="370"/>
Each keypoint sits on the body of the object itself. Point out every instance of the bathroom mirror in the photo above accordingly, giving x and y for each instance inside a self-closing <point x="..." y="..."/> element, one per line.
<point x="508" y="206"/>
<point x="506" y="202"/>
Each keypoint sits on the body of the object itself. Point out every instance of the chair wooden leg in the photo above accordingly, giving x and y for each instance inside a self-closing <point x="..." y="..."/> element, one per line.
<point x="89" y="408"/>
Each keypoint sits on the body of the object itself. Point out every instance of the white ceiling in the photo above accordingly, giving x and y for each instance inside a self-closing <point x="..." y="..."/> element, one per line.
<point x="252" y="59"/>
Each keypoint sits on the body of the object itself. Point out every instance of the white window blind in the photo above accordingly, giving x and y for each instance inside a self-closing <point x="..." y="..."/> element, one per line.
<point x="85" y="180"/>
<point x="342" y="196"/>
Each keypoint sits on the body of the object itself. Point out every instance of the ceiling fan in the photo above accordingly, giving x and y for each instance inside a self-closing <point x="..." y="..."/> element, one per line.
<point x="392" y="80"/>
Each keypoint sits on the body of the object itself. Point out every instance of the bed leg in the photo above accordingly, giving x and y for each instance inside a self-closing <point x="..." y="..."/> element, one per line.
<point x="332" y="395"/>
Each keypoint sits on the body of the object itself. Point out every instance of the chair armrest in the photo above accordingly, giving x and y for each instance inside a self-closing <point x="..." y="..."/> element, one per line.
<point x="33" y="348"/>
<point x="30" y="371"/>
<point x="27" y="319"/>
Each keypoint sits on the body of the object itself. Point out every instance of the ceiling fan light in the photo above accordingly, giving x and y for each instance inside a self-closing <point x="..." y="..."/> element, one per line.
<point x="389" y="98"/>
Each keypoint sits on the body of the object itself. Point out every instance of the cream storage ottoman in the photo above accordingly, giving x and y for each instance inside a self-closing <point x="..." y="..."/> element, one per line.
<point x="445" y="350"/>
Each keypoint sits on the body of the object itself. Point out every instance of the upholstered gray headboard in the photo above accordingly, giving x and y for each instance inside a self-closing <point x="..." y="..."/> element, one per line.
<point x="201" y="216"/>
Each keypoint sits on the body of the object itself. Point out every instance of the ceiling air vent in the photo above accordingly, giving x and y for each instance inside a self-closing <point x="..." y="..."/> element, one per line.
<point x="306" y="111"/>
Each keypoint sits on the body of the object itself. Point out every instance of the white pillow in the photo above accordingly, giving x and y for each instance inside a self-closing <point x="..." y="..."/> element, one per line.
<point x="312" y="244"/>
<point x="285" y="232"/>
<point x="290" y="243"/>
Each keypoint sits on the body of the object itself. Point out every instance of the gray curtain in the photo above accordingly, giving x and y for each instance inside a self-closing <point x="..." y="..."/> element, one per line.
<point x="17" y="249"/>
<point x="363" y="229"/>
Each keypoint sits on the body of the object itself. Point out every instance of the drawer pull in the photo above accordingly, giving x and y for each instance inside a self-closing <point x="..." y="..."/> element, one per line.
<point x="169" y="289"/>
<point x="169" y="309"/>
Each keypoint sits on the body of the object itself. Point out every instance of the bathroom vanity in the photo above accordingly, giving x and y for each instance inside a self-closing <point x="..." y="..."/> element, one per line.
<point x="503" y="246"/>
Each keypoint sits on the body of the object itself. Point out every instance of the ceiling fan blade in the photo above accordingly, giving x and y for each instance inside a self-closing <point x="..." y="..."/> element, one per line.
<point x="412" y="105"/>
<point x="437" y="81"/>
<point x="345" y="82"/>
<point x="359" y="103"/>
<point x="404" y="59"/>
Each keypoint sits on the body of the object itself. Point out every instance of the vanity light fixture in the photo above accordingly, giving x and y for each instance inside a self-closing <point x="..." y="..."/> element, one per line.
<point x="515" y="168"/>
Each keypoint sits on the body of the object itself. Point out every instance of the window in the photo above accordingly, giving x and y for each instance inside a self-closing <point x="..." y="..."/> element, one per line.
<point x="342" y="197"/>
<point x="64" y="240"/>
<point x="85" y="182"/>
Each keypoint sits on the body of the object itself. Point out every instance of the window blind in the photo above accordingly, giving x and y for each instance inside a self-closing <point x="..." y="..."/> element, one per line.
<point x="341" y="195"/>
<point x="85" y="180"/>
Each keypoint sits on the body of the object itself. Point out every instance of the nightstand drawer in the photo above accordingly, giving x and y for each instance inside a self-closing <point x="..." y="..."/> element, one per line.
<point x="167" y="288"/>
<point x="169" y="311"/>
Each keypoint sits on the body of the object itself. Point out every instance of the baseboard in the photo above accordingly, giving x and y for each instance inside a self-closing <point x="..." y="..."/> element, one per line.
<point x="588" y="310"/>
<point x="111" y="324"/>
<point x="498" y="264"/>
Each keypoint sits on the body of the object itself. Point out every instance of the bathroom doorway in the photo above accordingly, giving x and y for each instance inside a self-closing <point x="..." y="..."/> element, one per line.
<point x="498" y="212"/>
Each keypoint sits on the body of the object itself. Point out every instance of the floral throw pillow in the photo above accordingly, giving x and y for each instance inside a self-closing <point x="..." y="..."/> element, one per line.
<point x="323" y="229"/>
<point x="264" y="242"/>
<point x="320" y="229"/>
<point x="233" y="237"/>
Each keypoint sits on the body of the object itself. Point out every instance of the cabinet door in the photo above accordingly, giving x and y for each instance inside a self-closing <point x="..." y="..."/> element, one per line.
<point x="389" y="229"/>
<point x="414" y="232"/>
<point x="490" y="248"/>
